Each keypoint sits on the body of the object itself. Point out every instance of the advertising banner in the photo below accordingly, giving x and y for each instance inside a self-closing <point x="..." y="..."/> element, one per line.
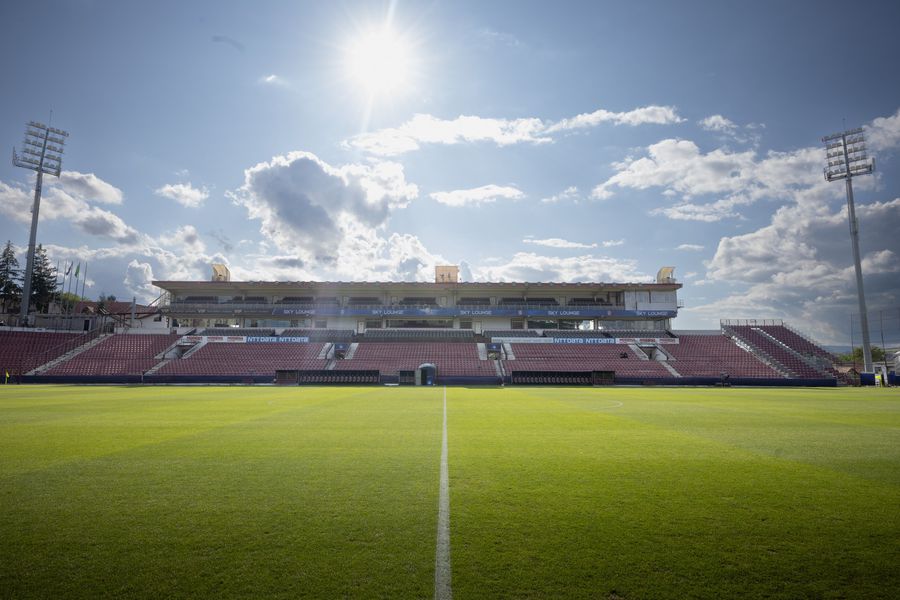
<point x="456" y="311"/>
<point x="196" y="339"/>
<point x="567" y="340"/>
<point x="585" y="341"/>
<point x="277" y="340"/>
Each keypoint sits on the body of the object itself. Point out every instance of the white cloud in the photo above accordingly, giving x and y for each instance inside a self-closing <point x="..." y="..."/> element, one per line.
<point x="799" y="267"/>
<point x="178" y="255"/>
<point x="566" y="244"/>
<point x="729" y="130"/>
<point x="884" y="132"/>
<point x="653" y="115"/>
<point x="185" y="238"/>
<point x="89" y="187"/>
<point x="480" y="195"/>
<point x="707" y="213"/>
<point x="570" y="193"/>
<point x="184" y="194"/>
<point x="59" y="204"/>
<point x="694" y="247"/>
<point x="15" y="202"/>
<point x="428" y="129"/>
<point x="366" y="256"/>
<point x="98" y="222"/>
<point x="313" y="210"/>
<point x="138" y="280"/>
<point x="717" y="123"/>
<point x="734" y="179"/>
<point x="528" y="266"/>
<point x="272" y="79"/>
<point x="134" y="265"/>
<point x="738" y="178"/>
<point x="558" y="243"/>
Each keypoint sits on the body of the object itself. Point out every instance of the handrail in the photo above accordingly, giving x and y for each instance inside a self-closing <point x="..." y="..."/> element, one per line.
<point x="230" y="306"/>
<point x="749" y="322"/>
<point x="65" y="347"/>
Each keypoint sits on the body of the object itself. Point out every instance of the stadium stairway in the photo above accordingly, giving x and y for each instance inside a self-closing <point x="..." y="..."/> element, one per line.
<point x="498" y="368"/>
<point x="159" y="366"/>
<point x="822" y="361"/>
<point x="638" y="352"/>
<point x="777" y="354"/>
<point x="762" y="356"/>
<point x="68" y="355"/>
<point x="669" y="368"/>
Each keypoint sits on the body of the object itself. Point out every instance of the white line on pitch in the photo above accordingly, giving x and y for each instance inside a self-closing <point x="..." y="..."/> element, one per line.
<point x="442" y="590"/>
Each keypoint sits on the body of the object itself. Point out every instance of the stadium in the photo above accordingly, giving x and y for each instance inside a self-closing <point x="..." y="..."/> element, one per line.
<point x="380" y="300"/>
<point x="567" y="426"/>
<point x="441" y="333"/>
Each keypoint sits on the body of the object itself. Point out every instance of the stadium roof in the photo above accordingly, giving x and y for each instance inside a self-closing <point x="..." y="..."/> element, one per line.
<point x="420" y="285"/>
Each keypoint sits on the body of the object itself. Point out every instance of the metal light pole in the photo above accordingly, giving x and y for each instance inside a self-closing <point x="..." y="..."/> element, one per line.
<point x="846" y="157"/>
<point x="41" y="152"/>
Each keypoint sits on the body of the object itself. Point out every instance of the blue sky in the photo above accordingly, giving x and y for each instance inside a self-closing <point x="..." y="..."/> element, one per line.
<point x="526" y="141"/>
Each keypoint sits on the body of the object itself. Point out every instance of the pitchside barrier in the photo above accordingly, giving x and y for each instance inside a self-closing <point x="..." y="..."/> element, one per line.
<point x="454" y="380"/>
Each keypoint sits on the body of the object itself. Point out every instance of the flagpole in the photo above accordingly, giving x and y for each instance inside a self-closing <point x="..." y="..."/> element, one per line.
<point x="69" y="307"/>
<point x="59" y="297"/>
<point x="66" y="305"/>
<point x="84" y="281"/>
<point x="76" y="273"/>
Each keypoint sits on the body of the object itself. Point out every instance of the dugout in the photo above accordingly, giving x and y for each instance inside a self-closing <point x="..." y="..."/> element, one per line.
<point x="585" y="378"/>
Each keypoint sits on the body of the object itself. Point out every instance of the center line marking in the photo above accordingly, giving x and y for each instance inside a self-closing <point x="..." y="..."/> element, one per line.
<point x="442" y="589"/>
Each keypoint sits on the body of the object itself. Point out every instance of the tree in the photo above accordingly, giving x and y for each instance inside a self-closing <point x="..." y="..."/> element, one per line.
<point x="10" y="274"/>
<point x="43" y="280"/>
<point x="857" y="355"/>
<point x="69" y="298"/>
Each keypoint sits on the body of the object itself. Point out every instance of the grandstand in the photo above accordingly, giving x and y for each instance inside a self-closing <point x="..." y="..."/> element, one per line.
<point x="246" y="359"/>
<point x="21" y="351"/>
<point x="117" y="355"/>
<point x="738" y="353"/>
<point x="468" y="333"/>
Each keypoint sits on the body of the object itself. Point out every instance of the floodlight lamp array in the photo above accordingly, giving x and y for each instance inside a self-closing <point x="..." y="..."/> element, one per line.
<point x="42" y="149"/>
<point x="845" y="155"/>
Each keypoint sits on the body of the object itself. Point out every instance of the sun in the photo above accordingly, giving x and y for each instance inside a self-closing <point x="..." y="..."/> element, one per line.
<point x="380" y="61"/>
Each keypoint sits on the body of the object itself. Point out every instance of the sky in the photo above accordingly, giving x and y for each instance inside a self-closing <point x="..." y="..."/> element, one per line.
<point x="523" y="141"/>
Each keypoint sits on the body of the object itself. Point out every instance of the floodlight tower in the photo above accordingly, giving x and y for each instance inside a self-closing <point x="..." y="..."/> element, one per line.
<point x="41" y="152"/>
<point x="846" y="158"/>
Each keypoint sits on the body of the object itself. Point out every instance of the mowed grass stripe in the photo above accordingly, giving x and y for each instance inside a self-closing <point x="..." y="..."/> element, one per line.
<point x="551" y="501"/>
<point x="442" y="565"/>
<point x="853" y="431"/>
<point x="332" y="502"/>
<point x="118" y="419"/>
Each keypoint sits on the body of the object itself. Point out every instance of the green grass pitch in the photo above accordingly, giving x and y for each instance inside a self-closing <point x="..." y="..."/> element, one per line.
<point x="628" y="493"/>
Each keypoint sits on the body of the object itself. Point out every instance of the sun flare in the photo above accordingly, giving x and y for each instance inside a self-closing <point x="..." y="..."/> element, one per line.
<point x="380" y="61"/>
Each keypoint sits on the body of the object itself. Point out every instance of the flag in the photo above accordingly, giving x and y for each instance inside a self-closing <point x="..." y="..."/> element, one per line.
<point x="77" y="270"/>
<point x="68" y="270"/>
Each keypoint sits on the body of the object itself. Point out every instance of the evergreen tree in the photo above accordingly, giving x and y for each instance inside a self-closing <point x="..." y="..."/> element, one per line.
<point x="43" y="281"/>
<point x="10" y="274"/>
